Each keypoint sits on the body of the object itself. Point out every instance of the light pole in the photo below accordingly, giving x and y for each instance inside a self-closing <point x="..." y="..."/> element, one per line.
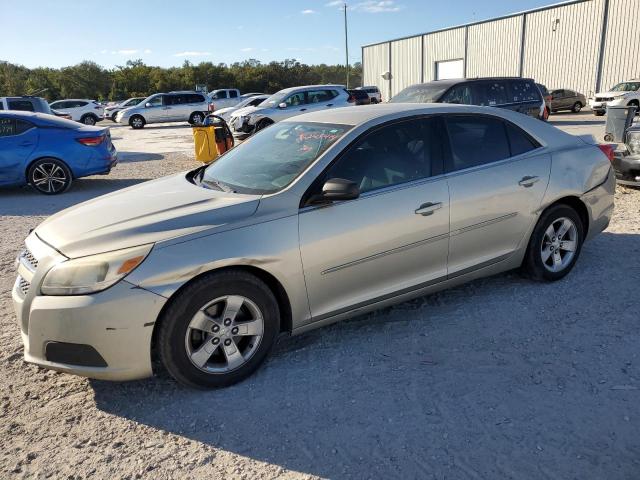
<point x="346" y="43"/>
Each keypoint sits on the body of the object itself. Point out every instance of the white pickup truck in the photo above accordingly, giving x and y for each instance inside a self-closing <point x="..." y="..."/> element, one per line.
<point x="223" y="98"/>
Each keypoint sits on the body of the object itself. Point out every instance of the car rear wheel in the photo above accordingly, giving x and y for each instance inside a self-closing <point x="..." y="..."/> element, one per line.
<point x="598" y="114"/>
<point x="137" y="122"/>
<point x="49" y="176"/>
<point x="555" y="244"/>
<point x="113" y="117"/>
<point x="88" y="119"/>
<point x="196" y="118"/>
<point x="576" y="107"/>
<point x="218" y="330"/>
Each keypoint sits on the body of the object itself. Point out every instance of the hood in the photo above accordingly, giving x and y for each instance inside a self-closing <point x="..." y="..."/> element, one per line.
<point x="241" y="112"/>
<point x="150" y="212"/>
<point x="224" y="110"/>
<point x="612" y="94"/>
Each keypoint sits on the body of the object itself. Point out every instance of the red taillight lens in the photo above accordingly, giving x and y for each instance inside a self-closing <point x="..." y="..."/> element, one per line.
<point x="91" y="141"/>
<point x="212" y="107"/>
<point x="608" y="150"/>
<point x="351" y="99"/>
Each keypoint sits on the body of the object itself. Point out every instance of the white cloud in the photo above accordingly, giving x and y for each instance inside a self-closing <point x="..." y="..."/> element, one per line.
<point x="191" y="53"/>
<point x="335" y="3"/>
<point x="248" y="49"/>
<point x="147" y="51"/>
<point x="308" y="11"/>
<point x="104" y="51"/>
<point x="373" y="6"/>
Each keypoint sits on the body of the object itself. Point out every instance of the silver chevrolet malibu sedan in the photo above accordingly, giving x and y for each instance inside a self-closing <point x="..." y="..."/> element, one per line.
<point x="312" y="220"/>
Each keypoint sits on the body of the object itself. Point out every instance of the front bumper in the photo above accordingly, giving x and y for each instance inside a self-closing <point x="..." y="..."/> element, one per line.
<point x="241" y="127"/>
<point x="602" y="106"/>
<point x="627" y="168"/>
<point x="116" y="325"/>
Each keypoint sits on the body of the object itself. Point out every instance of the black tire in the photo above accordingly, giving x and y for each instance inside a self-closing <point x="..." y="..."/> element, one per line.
<point x="49" y="176"/>
<point x="137" y="122"/>
<point x="196" y="118"/>
<point x="533" y="265"/>
<point x="374" y="101"/>
<point x="113" y="117"/>
<point x="598" y="114"/>
<point x="635" y="103"/>
<point x="576" y="107"/>
<point x="264" y="123"/>
<point x="174" y="325"/>
<point x="89" y="119"/>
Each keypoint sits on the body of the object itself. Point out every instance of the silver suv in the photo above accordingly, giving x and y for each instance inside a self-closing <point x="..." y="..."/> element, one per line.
<point x="287" y="103"/>
<point x="166" y="107"/>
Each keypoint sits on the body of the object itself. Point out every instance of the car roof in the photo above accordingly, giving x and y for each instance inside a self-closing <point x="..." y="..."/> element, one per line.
<point x="309" y="87"/>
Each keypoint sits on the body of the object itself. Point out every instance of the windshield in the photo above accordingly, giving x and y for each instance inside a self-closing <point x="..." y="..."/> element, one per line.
<point x="626" y="87"/>
<point x="274" y="100"/>
<point x="424" y="93"/>
<point x="272" y="158"/>
<point x="132" y="101"/>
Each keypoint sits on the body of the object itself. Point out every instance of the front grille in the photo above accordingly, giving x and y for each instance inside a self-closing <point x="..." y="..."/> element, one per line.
<point x="23" y="285"/>
<point x="30" y="260"/>
<point x="603" y="99"/>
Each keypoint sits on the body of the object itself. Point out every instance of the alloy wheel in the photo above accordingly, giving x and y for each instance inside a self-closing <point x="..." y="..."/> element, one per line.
<point x="224" y="334"/>
<point x="559" y="244"/>
<point x="49" y="177"/>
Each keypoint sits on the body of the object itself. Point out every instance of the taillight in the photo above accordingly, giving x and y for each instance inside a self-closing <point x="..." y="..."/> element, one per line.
<point x="212" y="107"/>
<point x="351" y="99"/>
<point x="609" y="150"/>
<point x="91" y="141"/>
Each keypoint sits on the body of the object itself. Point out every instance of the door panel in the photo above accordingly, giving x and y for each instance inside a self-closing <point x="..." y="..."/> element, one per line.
<point x="359" y="250"/>
<point x="491" y="210"/>
<point x="15" y="150"/>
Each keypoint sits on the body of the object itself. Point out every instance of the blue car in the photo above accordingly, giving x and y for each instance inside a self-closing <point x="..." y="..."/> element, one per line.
<point x="48" y="152"/>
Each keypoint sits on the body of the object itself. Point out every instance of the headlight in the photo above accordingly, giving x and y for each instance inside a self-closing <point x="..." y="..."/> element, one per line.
<point x="633" y="142"/>
<point x="94" y="273"/>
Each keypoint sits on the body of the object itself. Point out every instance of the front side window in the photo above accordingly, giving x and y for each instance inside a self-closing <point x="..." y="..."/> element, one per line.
<point x="391" y="155"/>
<point x="476" y="140"/>
<point x="459" y="94"/>
<point x="155" y="101"/>
<point x="295" y="99"/>
<point x="272" y="158"/>
<point x="220" y="95"/>
<point x="23" y="105"/>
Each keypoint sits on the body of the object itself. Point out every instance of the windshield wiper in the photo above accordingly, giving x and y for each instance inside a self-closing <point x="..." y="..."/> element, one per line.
<point x="216" y="184"/>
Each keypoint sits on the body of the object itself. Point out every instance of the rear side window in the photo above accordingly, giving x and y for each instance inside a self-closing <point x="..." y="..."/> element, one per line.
<point x="523" y="91"/>
<point x="476" y="140"/>
<point x="24" y="105"/>
<point x="233" y="94"/>
<point x="1" y="106"/>
<point x="495" y="93"/>
<point x="7" y="127"/>
<point x="22" y="126"/>
<point x="196" y="98"/>
<point x="519" y="141"/>
<point x="319" y="96"/>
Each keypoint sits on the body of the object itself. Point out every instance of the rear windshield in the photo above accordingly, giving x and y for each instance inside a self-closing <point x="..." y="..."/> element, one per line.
<point x="423" y="93"/>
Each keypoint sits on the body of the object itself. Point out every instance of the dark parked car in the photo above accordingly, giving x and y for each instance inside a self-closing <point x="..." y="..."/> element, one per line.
<point x="518" y="94"/>
<point x="360" y="97"/>
<point x="30" y="104"/>
<point x="547" y="100"/>
<point x="564" y="99"/>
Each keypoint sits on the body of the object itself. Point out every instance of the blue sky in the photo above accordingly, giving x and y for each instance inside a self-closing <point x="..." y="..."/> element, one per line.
<point x="110" y="32"/>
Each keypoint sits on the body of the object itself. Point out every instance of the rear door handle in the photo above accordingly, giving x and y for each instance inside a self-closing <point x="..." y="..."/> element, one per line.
<point x="528" y="181"/>
<point x="303" y="109"/>
<point x="428" y="208"/>
<point x="330" y="105"/>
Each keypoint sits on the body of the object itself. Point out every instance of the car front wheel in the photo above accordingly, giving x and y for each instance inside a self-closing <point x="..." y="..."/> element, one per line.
<point x="88" y="120"/>
<point x="49" y="176"/>
<point x="137" y="122"/>
<point x="218" y="330"/>
<point x="196" y="118"/>
<point x="555" y="244"/>
<point x="576" y="107"/>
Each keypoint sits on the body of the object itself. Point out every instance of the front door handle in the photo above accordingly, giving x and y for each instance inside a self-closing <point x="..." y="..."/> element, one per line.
<point x="330" y="105"/>
<point x="528" y="181"/>
<point x="428" y="208"/>
<point x="303" y="109"/>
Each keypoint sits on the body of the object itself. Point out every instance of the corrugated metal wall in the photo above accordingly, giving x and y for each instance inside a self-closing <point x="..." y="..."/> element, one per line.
<point x="493" y="48"/>
<point x="561" y="48"/>
<point x="567" y="57"/>
<point x="446" y="45"/>
<point x="622" y="44"/>
<point x="405" y="63"/>
<point x="375" y="62"/>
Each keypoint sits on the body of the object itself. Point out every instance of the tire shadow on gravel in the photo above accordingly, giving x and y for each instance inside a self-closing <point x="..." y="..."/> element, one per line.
<point x="497" y="376"/>
<point x="25" y="201"/>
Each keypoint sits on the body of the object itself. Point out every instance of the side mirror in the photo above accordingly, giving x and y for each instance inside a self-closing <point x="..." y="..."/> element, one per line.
<point x="148" y="105"/>
<point x="336" y="189"/>
<point x="282" y="105"/>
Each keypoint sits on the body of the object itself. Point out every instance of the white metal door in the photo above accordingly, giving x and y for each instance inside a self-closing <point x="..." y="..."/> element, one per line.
<point x="449" y="69"/>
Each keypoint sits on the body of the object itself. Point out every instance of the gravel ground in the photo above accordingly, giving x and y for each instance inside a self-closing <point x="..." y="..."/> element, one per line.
<point x="499" y="378"/>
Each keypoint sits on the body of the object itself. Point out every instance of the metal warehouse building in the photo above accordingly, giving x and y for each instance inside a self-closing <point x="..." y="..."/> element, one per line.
<point x="584" y="45"/>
